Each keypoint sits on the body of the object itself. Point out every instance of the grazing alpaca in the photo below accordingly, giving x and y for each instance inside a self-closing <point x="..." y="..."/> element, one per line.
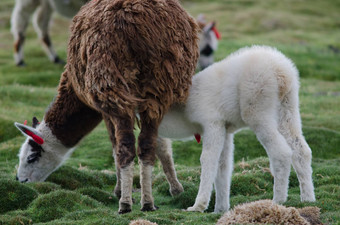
<point x="42" y="10"/>
<point x="208" y="42"/>
<point x="255" y="87"/>
<point x="123" y="56"/>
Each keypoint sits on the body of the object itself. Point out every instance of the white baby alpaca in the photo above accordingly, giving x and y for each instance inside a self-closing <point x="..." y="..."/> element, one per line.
<point x="255" y="87"/>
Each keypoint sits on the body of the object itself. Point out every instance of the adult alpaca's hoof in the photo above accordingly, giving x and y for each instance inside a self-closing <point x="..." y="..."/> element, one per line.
<point x="21" y="63"/>
<point x="57" y="60"/>
<point x="149" y="207"/>
<point x="176" y="190"/>
<point x="124" y="208"/>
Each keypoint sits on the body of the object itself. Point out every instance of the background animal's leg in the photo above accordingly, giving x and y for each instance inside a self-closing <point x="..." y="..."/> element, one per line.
<point x="164" y="153"/>
<point x="147" y="155"/>
<point x="125" y="154"/>
<point x="19" y="21"/>
<point x="214" y="136"/>
<point x="224" y="173"/>
<point x="280" y="156"/>
<point x="41" y="21"/>
<point x="111" y="129"/>
<point x="290" y="128"/>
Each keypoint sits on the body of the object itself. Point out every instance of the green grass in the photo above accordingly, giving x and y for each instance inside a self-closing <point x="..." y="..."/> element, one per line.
<point x="81" y="191"/>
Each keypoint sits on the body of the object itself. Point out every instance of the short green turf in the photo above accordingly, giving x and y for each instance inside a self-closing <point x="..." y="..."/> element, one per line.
<point x="80" y="192"/>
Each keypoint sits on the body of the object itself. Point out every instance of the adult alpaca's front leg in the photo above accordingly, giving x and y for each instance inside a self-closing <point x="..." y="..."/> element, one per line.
<point x="147" y="155"/>
<point x="111" y="129"/>
<point x="213" y="140"/>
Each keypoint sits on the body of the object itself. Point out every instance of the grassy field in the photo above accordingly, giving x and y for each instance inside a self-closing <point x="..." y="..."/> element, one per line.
<point x="81" y="191"/>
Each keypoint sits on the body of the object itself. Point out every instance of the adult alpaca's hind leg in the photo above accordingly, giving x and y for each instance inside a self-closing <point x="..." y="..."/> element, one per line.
<point x="125" y="154"/>
<point x="164" y="154"/>
<point x="147" y="155"/>
<point x="19" y="21"/>
<point x="41" y="20"/>
<point x="290" y="128"/>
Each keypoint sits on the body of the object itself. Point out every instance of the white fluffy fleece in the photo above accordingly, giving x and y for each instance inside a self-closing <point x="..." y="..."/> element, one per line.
<point x="255" y="87"/>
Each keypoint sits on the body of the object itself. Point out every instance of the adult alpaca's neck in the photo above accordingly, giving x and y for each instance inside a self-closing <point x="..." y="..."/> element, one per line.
<point x="68" y="118"/>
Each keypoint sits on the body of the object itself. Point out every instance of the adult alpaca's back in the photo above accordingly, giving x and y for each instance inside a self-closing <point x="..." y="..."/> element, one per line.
<point x="142" y="48"/>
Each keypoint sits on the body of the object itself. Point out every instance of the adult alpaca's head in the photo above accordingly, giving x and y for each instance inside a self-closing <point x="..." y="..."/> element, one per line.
<point x="38" y="156"/>
<point x="208" y="44"/>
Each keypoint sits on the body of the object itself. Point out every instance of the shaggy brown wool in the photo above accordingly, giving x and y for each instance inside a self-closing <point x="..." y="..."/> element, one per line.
<point x="263" y="212"/>
<point x="311" y="214"/>
<point x="123" y="56"/>
<point x="128" y="54"/>
<point x="68" y="118"/>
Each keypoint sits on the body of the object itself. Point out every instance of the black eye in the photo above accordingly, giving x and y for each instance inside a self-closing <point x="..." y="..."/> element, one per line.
<point x="33" y="157"/>
<point x="36" y="152"/>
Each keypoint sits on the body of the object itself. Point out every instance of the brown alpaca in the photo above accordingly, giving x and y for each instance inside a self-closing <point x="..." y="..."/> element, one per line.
<point x="124" y="56"/>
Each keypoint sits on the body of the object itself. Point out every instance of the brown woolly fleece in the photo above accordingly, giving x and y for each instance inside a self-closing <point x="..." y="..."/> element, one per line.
<point x="129" y="54"/>
<point x="267" y="212"/>
<point x="124" y="56"/>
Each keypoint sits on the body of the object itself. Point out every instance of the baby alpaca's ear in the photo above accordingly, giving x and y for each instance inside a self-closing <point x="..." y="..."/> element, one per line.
<point x="30" y="132"/>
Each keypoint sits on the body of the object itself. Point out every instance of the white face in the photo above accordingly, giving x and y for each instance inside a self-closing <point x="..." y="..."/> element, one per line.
<point x="37" y="162"/>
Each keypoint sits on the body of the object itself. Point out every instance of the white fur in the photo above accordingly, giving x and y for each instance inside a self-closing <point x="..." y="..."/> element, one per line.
<point x="207" y="37"/>
<point x="42" y="10"/>
<point x="55" y="153"/>
<point x="255" y="87"/>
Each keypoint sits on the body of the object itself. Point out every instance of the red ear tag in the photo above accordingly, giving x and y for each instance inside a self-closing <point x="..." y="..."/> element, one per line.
<point x="36" y="138"/>
<point x="218" y="35"/>
<point x="198" y="138"/>
<point x="25" y="122"/>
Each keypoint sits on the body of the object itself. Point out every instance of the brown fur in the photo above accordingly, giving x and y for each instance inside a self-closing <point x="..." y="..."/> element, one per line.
<point x="311" y="214"/>
<point x="264" y="212"/>
<point x="19" y="43"/>
<point x="68" y="118"/>
<point x="128" y="55"/>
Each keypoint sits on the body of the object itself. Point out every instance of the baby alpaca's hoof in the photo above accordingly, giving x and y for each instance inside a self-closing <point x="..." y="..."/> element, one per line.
<point x="124" y="208"/>
<point x="149" y="207"/>
<point x="194" y="209"/>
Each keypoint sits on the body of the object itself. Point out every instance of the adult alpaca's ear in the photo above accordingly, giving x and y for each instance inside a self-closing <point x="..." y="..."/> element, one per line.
<point x="30" y="132"/>
<point x="35" y="122"/>
<point x="212" y="27"/>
